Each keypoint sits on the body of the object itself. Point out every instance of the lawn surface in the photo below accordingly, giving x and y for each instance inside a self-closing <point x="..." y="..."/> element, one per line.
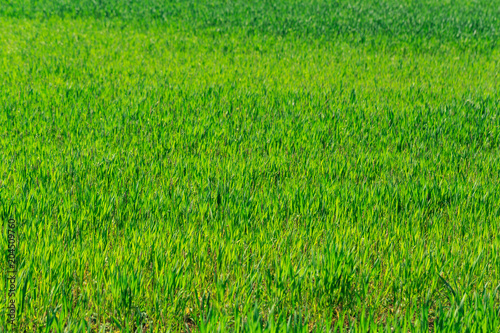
<point x="251" y="165"/>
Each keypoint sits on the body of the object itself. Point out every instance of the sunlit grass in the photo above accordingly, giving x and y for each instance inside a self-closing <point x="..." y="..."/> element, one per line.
<point x="177" y="177"/>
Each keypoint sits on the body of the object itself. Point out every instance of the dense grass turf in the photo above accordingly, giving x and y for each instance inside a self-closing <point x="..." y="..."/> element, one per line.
<point x="251" y="166"/>
<point x="407" y="19"/>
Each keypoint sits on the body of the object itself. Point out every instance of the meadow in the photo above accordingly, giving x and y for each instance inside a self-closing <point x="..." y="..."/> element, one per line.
<point x="251" y="166"/>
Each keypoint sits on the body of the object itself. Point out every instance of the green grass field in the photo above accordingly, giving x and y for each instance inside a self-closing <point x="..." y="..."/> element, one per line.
<point x="251" y="166"/>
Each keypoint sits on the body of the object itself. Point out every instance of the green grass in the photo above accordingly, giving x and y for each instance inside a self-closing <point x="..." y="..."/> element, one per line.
<point x="408" y="19"/>
<point x="251" y="166"/>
